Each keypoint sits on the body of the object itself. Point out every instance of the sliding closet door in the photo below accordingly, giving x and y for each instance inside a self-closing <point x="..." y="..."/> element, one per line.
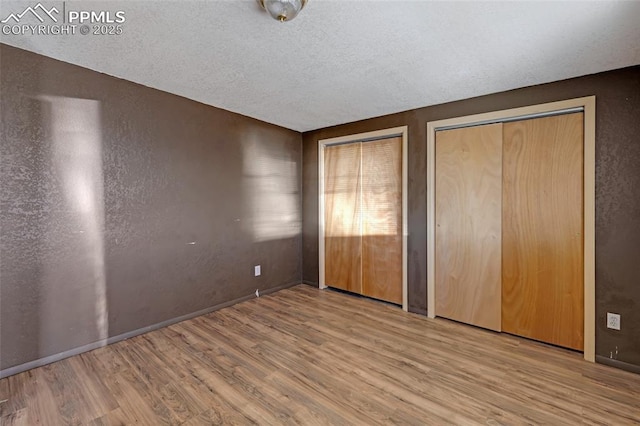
<point x="542" y="279"/>
<point x="468" y="224"/>
<point x="342" y="217"/>
<point x="382" y="219"/>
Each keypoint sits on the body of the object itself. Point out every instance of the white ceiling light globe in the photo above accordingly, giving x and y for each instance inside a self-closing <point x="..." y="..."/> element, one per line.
<point x="283" y="10"/>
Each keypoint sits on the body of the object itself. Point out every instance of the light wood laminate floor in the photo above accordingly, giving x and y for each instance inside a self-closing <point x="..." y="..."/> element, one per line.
<point x="306" y="356"/>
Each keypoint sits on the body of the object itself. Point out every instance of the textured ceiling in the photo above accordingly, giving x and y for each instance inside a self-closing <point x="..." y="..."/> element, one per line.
<point x="342" y="61"/>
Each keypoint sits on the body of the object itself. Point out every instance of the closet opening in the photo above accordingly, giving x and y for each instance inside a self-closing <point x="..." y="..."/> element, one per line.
<point x="363" y="214"/>
<point x="486" y="267"/>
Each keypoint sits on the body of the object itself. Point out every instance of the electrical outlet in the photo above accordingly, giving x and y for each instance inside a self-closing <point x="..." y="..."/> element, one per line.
<point x="613" y="321"/>
<point x="256" y="270"/>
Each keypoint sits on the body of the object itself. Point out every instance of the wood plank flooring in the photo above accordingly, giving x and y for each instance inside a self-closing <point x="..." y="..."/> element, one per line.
<point x="306" y="356"/>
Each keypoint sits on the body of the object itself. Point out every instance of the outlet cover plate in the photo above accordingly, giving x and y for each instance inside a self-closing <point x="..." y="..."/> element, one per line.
<point x="257" y="271"/>
<point x="613" y="321"/>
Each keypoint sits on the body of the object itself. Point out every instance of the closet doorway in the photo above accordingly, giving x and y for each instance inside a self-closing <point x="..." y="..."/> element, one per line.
<point x="363" y="214"/>
<point x="511" y="222"/>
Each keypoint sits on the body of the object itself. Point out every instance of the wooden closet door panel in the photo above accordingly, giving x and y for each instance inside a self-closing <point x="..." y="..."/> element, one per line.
<point x="342" y="211"/>
<point x="382" y="219"/>
<point x="542" y="279"/>
<point x="468" y="225"/>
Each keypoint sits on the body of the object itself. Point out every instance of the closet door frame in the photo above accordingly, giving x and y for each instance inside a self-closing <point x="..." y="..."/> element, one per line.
<point x="402" y="132"/>
<point x="588" y="106"/>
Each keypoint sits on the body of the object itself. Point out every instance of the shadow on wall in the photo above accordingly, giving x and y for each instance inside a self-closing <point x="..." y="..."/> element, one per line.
<point x="270" y="190"/>
<point x="53" y="229"/>
<point x="76" y="221"/>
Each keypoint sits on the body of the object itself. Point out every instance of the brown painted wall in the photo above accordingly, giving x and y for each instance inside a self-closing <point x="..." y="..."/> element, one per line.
<point x="123" y="206"/>
<point x="617" y="192"/>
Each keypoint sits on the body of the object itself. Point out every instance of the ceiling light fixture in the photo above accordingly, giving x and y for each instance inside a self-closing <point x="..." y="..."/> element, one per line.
<point x="283" y="10"/>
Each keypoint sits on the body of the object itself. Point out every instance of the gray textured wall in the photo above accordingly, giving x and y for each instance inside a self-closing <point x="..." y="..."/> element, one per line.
<point x="123" y="206"/>
<point x="617" y="192"/>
